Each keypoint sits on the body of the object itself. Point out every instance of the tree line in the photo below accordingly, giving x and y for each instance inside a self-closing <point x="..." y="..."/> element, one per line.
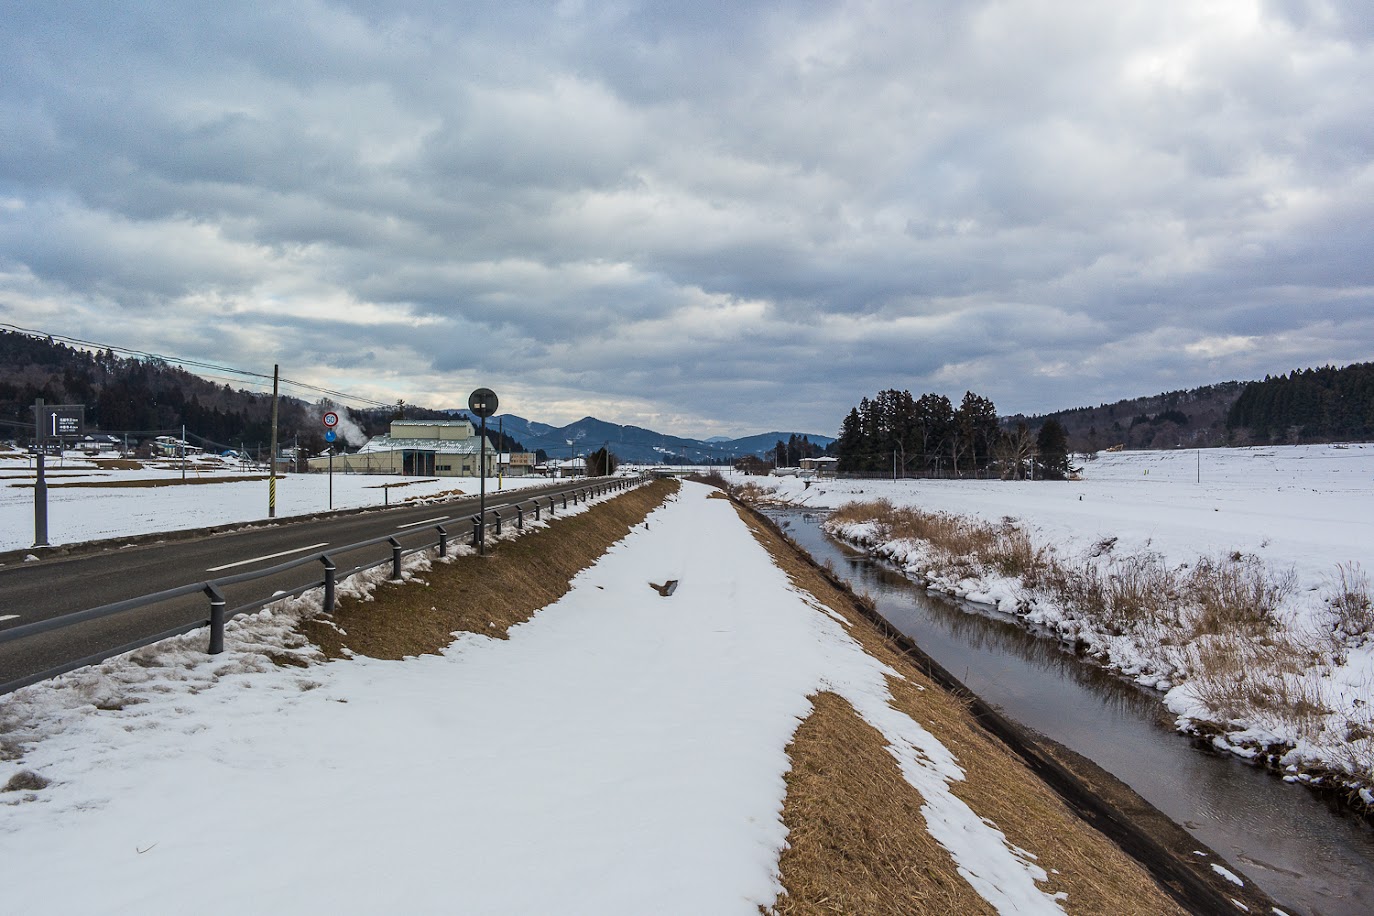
<point x="149" y="397"/>
<point x="140" y="397"/>
<point x="928" y="436"/>
<point x="1309" y="405"/>
<point x="789" y="454"/>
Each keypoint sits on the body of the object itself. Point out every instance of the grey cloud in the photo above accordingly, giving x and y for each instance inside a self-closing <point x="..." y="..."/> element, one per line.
<point x="731" y="211"/>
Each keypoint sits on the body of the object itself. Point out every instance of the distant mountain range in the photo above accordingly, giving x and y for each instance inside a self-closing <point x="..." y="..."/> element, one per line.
<point x="634" y="444"/>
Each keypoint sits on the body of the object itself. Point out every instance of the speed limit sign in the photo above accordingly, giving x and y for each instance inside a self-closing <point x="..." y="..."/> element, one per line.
<point x="331" y="419"/>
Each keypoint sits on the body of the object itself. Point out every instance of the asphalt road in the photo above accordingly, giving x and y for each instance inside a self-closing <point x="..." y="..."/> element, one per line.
<point x="106" y="572"/>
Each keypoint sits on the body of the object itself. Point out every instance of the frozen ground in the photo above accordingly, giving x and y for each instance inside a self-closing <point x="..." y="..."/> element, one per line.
<point x="621" y="753"/>
<point x="91" y="513"/>
<point x="1308" y="509"/>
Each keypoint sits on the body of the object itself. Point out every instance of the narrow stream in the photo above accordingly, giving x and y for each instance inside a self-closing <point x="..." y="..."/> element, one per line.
<point x="1303" y="851"/>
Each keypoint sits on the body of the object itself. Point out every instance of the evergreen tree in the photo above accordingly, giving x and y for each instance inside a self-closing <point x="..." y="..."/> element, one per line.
<point x="848" y="443"/>
<point x="934" y="422"/>
<point x="1052" y="444"/>
<point x="976" y="420"/>
<point x="1312" y="405"/>
<point x="602" y="463"/>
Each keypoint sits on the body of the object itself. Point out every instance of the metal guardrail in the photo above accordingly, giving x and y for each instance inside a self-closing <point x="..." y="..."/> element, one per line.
<point x="213" y="588"/>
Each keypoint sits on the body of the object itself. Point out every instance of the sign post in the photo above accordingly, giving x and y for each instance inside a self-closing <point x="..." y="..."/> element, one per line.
<point x="331" y="420"/>
<point x="483" y="403"/>
<point x="56" y="422"/>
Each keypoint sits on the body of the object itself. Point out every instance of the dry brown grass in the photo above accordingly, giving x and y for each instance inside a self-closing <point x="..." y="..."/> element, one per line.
<point x="403" y="484"/>
<point x="755" y="495"/>
<point x="145" y="483"/>
<point x="856" y="837"/>
<point x="1234" y="595"/>
<point x="1262" y="679"/>
<point x="482" y="594"/>
<point x="856" y="846"/>
<point x="1352" y="604"/>
<point x="711" y="479"/>
<point x="1127" y="595"/>
<point x="962" y="542"/>
<point x="25" y="781"/>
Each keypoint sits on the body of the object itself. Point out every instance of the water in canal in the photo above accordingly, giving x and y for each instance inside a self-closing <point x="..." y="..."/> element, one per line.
<point x="1305" y="853"/>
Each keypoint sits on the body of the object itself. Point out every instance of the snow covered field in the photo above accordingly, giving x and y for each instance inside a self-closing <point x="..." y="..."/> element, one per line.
<point x="1304" y="509"/>
<point x="620" y="753"/>
<point x="78" y="514"/>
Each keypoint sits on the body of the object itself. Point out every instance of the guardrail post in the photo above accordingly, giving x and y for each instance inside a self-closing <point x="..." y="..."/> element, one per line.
<point x="329" y="570"/>
<point x="443" y="541"/>
<point x="520" y="518"/>
<point x="551" y="507"/>
<point x="395" y="559"/>
<point x="216" y="619"/>
<point x="565" y="500"/>
<point x="477" y="531"/>
<point x="498" y="523"/>
<point x="536" y="509"/>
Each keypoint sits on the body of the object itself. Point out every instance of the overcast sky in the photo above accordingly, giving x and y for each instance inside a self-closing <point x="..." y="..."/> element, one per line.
<point x="705" y="218"/>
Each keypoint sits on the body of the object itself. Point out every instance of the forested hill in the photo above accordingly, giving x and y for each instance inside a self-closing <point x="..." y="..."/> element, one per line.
<point x="1171" y="419"/>
<point x="1305" y="405"/>
<point x="138" y="396"/>
<point x="149" y="397"/>
<point x="1311" y="405"/>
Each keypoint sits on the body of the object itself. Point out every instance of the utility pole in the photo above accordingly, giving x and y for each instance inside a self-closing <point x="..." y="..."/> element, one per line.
<point x="183" y="453"/>
<point x="272" y="455"/>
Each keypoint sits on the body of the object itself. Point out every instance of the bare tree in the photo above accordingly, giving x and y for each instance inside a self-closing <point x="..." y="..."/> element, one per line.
<point x="1015" y="452"/>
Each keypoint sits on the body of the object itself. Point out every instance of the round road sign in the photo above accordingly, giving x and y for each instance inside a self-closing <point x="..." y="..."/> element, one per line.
<point x="482" y="402"/>
<point x="331" y="419"/>
<point x="330" y="436"/>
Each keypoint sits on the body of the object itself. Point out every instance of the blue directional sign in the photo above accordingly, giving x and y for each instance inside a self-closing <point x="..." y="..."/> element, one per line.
<point x="330" y="435"/>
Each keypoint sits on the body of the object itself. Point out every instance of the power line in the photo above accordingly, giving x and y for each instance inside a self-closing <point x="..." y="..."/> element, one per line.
<point x="198" y="364"/>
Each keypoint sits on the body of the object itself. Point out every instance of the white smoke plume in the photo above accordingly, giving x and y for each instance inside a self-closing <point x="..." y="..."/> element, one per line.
<point x="350" y="433"/>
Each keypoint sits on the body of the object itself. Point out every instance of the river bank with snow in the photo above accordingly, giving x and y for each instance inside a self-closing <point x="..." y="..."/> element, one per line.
<point x="1294" y="686"/>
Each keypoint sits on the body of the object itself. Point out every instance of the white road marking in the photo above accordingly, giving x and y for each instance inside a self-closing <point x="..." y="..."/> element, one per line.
<point x="9" y="617"/>
<point x="428" y="521"/>
<point x="270" y="556"/>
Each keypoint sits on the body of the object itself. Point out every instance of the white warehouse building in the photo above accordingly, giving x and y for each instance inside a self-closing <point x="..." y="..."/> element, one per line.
<point x="423" y="448"/>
